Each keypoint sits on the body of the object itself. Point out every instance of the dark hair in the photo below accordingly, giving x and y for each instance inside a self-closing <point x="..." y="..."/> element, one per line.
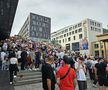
<point x="66" y="59"/>
<point x="81" y="58"/>
<point x="13" y="54"/>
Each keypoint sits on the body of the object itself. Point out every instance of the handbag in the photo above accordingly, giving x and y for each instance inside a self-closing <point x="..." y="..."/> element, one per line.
<point x="65" y="74"/>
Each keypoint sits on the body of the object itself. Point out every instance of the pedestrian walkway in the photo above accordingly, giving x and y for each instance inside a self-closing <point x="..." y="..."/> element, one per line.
<point x="39" y="87"/>
<point x="4" y="81"/>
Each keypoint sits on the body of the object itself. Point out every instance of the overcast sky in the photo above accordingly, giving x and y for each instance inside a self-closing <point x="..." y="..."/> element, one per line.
<point x="62" y="12"/>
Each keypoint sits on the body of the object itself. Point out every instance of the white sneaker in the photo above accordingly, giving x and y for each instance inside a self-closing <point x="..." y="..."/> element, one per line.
<point x="10" y="82"/>
<point x="15" y="76"/>
<point x="34" y="69"/>
<point x="30" y="69"/>
<point x="94" y="85"/>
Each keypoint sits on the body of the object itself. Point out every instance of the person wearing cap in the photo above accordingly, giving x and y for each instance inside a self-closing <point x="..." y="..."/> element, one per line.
<point x="80" y="71"/>
<point x="66" y="77"/>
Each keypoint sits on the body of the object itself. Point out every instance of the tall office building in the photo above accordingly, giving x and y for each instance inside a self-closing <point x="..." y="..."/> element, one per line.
<point x="7" y="14"/>
<point x="36" y="28"/>
<point x="78" y="37"/>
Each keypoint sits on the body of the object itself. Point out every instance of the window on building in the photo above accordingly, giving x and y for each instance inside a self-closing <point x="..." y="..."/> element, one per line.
<point x="72" y="32"/>
<point x="98" y="24"/>
<point x="70" y="28"/>
<point x="64" y="35"/>
<point x="99" y="30"/>
<point x="33" y="16"/>
<point x="34" y="22"/>
<point x="80" y="24"/>
<point x="95" y="23"/>
<point x="66" y="30"/>
<point x="75" y="26"/>
<point x="80" y="30"/>
<point x="96" y="53"/>
<point x="59" y="41"/>
<point x="80" y="36"/>
<point x="96" y="45"/>
<point x="91" y="28"/>
<point x="75" y="31"/>
<point x="69" y="33"/>
<point x="73" y="37"/>
<point x="56" y="37"/>
<point x="63" y="40"/>
<point x="69" y="39"/>
<point x="96" y="29"/>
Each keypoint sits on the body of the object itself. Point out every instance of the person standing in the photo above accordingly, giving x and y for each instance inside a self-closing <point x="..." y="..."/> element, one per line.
<point x="23" y="59"/>
<point x="3" y="59"/>
<point x="48" y="77"/>
<point x="80" y="71"/>
<point x="13" y="67"/>
<point x="102" y="73"/>
<point x="66" y="77"/>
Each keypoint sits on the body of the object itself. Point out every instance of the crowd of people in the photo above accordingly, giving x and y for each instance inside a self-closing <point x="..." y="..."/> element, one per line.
<point x="58" y="66"/>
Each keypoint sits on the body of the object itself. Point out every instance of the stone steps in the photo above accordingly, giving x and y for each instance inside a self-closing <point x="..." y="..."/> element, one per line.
<point x="28" y="77"/>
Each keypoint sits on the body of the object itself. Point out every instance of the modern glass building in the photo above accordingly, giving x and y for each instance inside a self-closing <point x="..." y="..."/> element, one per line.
<point x="7" y="14"/>
<point x="36" y="28"/>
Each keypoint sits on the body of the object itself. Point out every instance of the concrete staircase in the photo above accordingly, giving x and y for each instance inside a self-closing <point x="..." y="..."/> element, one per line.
<point x="28" y="77"/>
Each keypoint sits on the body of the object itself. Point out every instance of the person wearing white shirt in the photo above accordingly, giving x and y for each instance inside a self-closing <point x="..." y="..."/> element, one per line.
<point x="80" y="71"/>
<point x="13" y="68"/>
<point x="3" y="59"/>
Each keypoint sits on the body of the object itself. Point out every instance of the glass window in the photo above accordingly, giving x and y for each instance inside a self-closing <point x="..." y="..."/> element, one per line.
<point x="97" y="53"/>
<point x="73" y="37"/>
<point x="75" y="26"/>
<point x="72" y="32"/>
<point x="80" y="36"/>
<point x="91" y="28"/>
<point x="80" y="24"/>
<point x="69" y="33"/>
<point x="63" y="40"/>
<point x="33" y="17"/>
<point x="64" y="35"/>
<point x="80" y="30"/>
<point x="66" y="30"/>
<point x="70" y="28"/>
<point x="69" y="39"/>
<point x="59" y="41"/>
<point x="34" y="22"/>
<point x="95" y="23"/>
<point x="75" y="31"/>
<point x="96" y="45"/>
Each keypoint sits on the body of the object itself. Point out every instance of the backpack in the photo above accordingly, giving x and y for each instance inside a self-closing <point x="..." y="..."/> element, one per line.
<point x="88" y="64"/>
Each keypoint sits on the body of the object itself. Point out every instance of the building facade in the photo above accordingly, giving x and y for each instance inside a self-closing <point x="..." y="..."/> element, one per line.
<point x="78" y="37"/>
<point x="36" y="28"/>
<point x="7" y="14"/>
<point x="100" y="47"/>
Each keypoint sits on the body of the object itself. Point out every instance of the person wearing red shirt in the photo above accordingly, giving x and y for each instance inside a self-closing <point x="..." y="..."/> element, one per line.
<point x="66" y="76"/>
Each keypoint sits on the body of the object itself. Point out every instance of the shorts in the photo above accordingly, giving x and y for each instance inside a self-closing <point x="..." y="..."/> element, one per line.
<point x="103" y="81"/>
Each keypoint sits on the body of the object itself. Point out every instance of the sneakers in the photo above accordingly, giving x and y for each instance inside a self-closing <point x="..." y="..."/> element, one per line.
<point x="15" y="76"/>
<point x="94" y="85"/>
<point x="10" y="82"/>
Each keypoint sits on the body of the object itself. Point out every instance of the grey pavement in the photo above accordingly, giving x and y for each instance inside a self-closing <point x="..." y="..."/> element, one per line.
<point x="39" y="87"/>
